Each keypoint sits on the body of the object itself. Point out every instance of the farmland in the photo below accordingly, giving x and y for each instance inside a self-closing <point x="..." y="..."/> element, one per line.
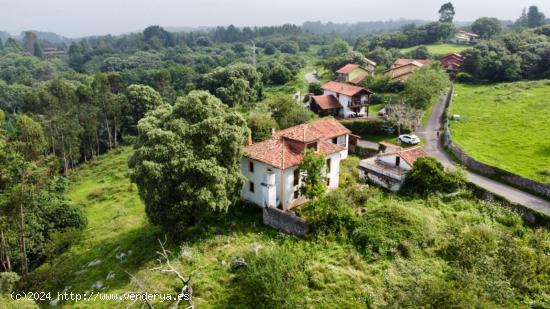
<point x="439" y="49"/>
<point x="505" y="125"/>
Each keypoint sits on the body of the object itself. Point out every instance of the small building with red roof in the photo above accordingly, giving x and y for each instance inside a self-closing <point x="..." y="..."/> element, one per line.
<point x="403" y="68"/>
<point x="389" y="169"/>
<point x="341" y="100"/>
<point x="354" y="73"/>
<point x="452" y="62"/>
<point x="271" y="167"/>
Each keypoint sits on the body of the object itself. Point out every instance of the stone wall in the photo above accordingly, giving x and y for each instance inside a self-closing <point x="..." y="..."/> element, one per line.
<point x="488" y="170"/>
<point x="285" y="221"/>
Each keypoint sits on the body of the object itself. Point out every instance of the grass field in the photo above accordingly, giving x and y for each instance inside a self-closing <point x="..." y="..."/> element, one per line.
<point x="506" y="125"/>
<point x="439" y="49"/>
<point x="335" y="274"/>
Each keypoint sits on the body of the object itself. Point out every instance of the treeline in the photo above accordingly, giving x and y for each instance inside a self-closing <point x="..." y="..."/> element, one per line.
<point x="36" y="220"/>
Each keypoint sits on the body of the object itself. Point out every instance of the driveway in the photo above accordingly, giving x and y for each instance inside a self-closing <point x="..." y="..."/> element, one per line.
<point x="311" y="77"/>
<point x="435" y="149"/>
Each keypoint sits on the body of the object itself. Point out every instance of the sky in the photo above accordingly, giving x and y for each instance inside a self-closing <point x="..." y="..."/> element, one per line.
<point x="76" y="18"/>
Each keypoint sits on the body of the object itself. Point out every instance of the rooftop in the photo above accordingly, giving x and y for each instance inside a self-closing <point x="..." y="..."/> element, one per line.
<point x="347" y="68"/>
<point x="327" y="101"/>
<point x="344" y="88"/>
<point x="280" y="152"/>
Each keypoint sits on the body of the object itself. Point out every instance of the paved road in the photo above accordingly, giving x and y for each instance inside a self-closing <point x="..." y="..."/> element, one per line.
<point x="434" y="148"/>
<point x="311" y="77"/>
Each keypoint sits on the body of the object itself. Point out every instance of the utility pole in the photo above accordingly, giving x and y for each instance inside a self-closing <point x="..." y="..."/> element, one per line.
<point x="253" y="53"/>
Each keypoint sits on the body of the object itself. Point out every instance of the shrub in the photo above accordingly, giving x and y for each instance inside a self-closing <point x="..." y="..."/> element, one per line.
<point x="463" y="77"/>
<point x="429" y="175"/>
<point x="392" y="229"/>
<point x="331" y="215"/>
<point x="273" y="278"/>
<point x="366" y="128"/>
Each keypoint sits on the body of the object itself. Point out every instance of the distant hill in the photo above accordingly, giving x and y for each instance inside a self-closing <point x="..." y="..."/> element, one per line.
<point x="48" y="36"/>
<point x="4" y="35"/>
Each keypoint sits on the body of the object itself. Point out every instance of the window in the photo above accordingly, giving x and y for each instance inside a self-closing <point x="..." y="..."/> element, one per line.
<point x="251" y="166"/>
<point x="251" y="186"/>
<point x="328" y="181"/>
<point x="335" y="140"/>
<point x="296" y="194"/>
<point x="296" y="176"/>
<point x="328" y="166"/>
<point x="312" y="146"/>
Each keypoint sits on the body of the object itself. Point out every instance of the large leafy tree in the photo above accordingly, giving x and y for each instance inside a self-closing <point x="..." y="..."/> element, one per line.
<point x="186" y="160"/>
<point x="447" y="13"/>
<point x="237" y="84"/>
<point x="487" y="27"/>
<point x="287" y="112"/>
<point x="141" y="99"/>
<point x="535" y="18"/>
<point x="424" y="85"/>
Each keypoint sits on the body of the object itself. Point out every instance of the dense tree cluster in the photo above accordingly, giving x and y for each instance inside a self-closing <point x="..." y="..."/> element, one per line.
<point x="187" y="160"/>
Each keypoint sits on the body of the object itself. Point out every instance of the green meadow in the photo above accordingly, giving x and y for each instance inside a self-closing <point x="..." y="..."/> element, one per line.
<point x="506" y="125"/>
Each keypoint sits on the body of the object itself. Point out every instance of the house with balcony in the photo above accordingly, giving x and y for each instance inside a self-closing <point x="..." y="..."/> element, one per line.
<point x="341" y="100"/>
<point x="271" y="167"/>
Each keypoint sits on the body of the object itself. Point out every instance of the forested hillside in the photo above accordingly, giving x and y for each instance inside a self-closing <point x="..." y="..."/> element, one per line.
<point x="113" y="143"/>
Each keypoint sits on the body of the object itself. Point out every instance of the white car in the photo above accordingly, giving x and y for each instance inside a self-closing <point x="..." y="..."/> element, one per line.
<point x="409" y="139"/>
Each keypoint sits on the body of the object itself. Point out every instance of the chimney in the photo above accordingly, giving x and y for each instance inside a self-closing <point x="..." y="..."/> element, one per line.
<point x="273" y="131"/>
<point x="249" y="140"/>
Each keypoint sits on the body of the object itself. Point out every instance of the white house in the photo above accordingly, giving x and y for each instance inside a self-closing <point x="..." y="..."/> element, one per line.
<point x="341" y="99"/>
<point x="271" y="166"/>
<point x="390" y="169"/>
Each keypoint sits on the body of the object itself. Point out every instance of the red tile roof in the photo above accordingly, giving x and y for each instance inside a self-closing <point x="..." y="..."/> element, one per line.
<point x="409" y="155"/>
<point x="404" y="61"/>
<point x="347" y="68"/>
<point x="279" y="152"/>
<point x="343" y="88"/>
<point x="327" y="101"/>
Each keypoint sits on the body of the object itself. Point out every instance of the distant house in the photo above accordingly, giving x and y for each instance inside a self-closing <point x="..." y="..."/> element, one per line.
<point x="464" y="37"/>
<point x="341" y="100"/>
<point x="354" y="73"/>
<point x="452" y="62"/>
<point x="52" y="52"/>
<point x="271" y="166"/>
<point x="403" y="68"/>
<point x="389" y="169"/>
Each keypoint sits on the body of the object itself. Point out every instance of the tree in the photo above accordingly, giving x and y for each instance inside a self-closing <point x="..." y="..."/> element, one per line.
<point x="279" y="74"/>
<point x="534" y="17"/>
<point x="37" y="50"/>
<point x="141" y="99"/>
<point x="446" y="13"/>
<point x="236" y="84"/>
<point x="338" y="48"/>
<point x="487" y="27"/>
<point x="261" y="126"/>
<point x="287" y="112"/>
<point x="28" y="41"/>
<point x="425" y="84"/>
<point x="403" y="115"/>
<point x="313" y="174"/>
<point x="429" y="175"/>
<point x="186" y="161"/>
<point x="421" y="52"/>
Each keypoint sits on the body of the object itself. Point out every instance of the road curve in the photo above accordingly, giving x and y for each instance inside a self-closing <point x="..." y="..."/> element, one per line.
<point x="435" y="149"/>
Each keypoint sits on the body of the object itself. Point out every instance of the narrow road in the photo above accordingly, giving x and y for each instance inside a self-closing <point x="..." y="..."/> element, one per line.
<point x="435" y="149"/>
<point x="311" y="77"/>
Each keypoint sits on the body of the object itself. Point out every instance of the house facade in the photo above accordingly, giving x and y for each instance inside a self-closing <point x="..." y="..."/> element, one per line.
<point x="452" y="62"/>
<point x="403" y="68"/>
<point x="354" y="73"/>
<point x="465" y="37"/>
<point x="341" y="100"/>
<point x="389" y="169"/>
<point x="271" y="167"/>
